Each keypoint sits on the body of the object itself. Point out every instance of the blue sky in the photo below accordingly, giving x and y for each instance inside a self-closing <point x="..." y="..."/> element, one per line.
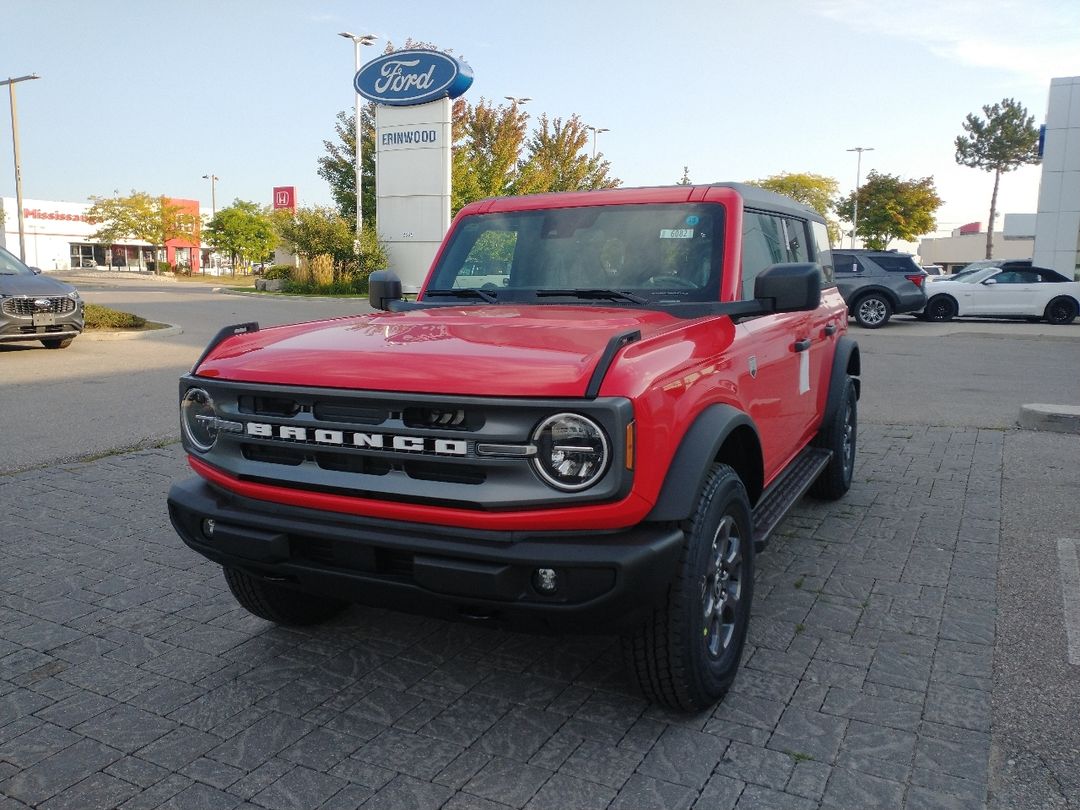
<point x="153" y="95"/>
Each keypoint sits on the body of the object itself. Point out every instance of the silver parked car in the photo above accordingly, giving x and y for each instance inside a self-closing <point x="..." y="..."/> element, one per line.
<point x="36" y="307"/>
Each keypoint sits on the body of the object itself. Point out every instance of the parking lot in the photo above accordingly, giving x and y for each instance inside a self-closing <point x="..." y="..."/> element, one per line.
<point x="908" y="647"/>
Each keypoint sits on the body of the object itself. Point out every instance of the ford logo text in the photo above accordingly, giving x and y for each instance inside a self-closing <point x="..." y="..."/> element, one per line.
<point x="404" y="78"/>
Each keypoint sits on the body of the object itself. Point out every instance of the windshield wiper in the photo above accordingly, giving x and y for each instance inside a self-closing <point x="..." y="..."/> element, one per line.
<point x="596" y="293"/>
<point x="466" y="292"/>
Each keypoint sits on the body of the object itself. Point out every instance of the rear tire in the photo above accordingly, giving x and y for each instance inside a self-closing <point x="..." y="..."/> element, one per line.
<point x="58" y="343"/>
<point x="872" y="311"/>
<point x="940" y="308"/>
<point x="277" y="603"/>
<point x="1061" y="311"/>
<point x="686" y="654"/>
<point x="840" y="436"/>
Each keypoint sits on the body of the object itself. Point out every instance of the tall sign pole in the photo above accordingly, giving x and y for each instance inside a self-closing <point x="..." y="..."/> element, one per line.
<point x="18" y="167"/>
<point x="359" y="41"/>
<point x="858" y="180"/>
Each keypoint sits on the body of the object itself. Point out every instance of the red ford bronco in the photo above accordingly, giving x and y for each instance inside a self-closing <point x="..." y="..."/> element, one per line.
<point x="592" y="416"/>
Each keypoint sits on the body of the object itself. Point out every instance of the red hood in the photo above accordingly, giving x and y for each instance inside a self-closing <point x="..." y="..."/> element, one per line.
<point x="527" y="351"/>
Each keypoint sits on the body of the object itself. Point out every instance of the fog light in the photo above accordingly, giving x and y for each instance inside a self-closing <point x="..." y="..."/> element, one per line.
<point x="545" y="580"/>
<point x="208" y="527"/>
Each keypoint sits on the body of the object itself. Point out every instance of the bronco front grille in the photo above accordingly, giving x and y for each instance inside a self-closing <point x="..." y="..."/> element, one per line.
<point x="421" y="448"/>
<point x="25" y="306"/>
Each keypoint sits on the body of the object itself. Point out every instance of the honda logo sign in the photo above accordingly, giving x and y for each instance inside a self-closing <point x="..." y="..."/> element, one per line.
<point x="285" y="198"/>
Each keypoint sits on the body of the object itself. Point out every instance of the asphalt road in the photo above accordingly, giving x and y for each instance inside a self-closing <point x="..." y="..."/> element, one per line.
<point x="97" y="396"/>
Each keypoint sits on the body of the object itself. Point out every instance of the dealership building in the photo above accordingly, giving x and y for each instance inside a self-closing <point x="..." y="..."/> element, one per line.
<point x="60" y="236"/>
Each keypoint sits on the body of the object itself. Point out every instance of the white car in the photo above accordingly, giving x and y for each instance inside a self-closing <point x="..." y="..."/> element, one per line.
<point x="1033" y="293"/>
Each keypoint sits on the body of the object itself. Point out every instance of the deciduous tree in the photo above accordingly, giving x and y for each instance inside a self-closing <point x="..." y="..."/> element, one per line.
<point x="814" y="190"/>
<point x="244" y="230"/>
<point x="891" y="208"/>
<point x="1004" y="139"/>
<point x="557" y="159"/>
<point x="139" y="215"/>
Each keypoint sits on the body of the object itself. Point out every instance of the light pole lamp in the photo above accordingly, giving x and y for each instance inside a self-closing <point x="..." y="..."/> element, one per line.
<point x="858" y="182"/>
<point x="359" y="41"/>
<point x="15" y="147"/>
<point x="517" y="100"/>
<point x="213" y="178"/>
<point x="596" y="131"/>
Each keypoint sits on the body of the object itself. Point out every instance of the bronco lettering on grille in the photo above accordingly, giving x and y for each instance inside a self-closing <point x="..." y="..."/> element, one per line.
<point x="355" y="438"/>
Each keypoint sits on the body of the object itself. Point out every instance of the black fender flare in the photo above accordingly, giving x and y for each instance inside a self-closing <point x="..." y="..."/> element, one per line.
<point x="692" y="461"/>
<point x="847" y="362"/>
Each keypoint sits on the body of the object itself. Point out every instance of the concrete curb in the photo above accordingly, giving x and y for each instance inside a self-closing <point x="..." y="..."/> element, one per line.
<point x="1051" y="418"/>
<point x="277" y="296"/>
<point x="131" y="334"/>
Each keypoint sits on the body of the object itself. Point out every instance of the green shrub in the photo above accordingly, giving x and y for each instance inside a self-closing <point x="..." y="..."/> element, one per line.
<point x="99" y="317"/>
<point x="277" y="271"/>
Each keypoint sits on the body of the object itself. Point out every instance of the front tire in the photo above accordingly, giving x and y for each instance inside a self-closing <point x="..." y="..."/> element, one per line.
<point x="278" y="604"/>
<point x="840" y="437"/>
<point x="940" y="308"/>
<point x="1061" y="311"/>
<point x="687" y="652"/>
<point x="872" y="311"/>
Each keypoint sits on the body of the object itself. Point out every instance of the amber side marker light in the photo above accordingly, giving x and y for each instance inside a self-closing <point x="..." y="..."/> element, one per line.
<point x="630" y="446"/>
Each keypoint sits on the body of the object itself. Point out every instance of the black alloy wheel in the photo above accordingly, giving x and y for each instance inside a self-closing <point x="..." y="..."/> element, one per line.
<point x="940" y="308"/>
<point x="686" y="654"/>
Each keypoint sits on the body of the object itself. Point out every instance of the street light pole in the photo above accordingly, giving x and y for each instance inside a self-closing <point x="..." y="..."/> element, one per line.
<point x="359" y="41"/>
<point x="858" y="181"/>
<point x="213" y="178"/>
<point x="516" y="100"/>
<point x="18" y="167"/>
<point x="596" y="131"/>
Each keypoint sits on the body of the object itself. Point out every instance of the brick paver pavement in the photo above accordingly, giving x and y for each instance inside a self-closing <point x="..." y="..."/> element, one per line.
<point x="130" y="678"/>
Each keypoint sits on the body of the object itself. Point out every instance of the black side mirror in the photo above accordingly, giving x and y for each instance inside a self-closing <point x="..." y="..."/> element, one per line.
<point x="383" y="287"/>
<point x="790" y="286"/>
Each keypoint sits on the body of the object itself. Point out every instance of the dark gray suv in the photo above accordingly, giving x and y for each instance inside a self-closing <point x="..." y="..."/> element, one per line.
<point x="36" y="307"/>
<point x="876" y="284"/>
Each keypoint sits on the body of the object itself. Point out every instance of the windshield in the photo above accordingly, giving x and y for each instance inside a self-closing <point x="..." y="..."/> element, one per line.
<point x="975" y="276"/>
<point x="11" y="266"/>
<point x="602" y="254"/>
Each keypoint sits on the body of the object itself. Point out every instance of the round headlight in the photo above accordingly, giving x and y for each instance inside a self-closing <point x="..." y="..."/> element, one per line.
<point x="571" y="451"/>
<point x="198" y="418"/>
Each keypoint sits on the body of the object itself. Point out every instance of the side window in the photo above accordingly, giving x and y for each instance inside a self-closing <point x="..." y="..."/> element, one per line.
<point x="822" y="253"/>
<point x="898" y="264"/>
<point x="846" y="263"/>
<point x="797" y="248"/>
<point x="763" y="245"/>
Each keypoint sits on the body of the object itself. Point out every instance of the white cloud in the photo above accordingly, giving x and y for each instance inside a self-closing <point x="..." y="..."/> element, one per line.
<point x="1035" y="40"/>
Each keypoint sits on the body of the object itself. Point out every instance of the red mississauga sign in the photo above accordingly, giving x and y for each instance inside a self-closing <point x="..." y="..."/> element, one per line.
<point x="285" y="197"/>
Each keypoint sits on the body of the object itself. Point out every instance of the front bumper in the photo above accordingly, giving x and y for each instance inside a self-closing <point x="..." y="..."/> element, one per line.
<point x="607" y="581"/>
<point x="14" y="328"/>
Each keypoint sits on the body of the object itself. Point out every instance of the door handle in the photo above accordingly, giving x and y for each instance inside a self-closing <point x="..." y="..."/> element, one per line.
<point x="830" y="329"/>
<point x="803" y="345"/>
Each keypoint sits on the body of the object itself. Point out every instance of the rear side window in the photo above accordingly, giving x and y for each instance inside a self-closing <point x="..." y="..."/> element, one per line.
<point x="822" y="253"/>
<point x="898" y="264"/>
<point x="846" y="263"/>
<point x="764" y="244"/>
<point x="771" y="239"/>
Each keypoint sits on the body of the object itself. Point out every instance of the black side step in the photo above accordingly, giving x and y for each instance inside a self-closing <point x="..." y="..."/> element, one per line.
<point x="785" y="491"/>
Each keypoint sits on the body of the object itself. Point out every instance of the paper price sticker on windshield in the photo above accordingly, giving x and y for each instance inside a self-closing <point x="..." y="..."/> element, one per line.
<point x="676" y="233"/>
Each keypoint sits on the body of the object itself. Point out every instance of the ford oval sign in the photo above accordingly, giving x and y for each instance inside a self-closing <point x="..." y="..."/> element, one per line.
<point x="404" y="78"/>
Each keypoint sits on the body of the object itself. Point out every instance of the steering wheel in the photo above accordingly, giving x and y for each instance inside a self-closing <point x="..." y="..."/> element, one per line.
<point x="670" y="281"/>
